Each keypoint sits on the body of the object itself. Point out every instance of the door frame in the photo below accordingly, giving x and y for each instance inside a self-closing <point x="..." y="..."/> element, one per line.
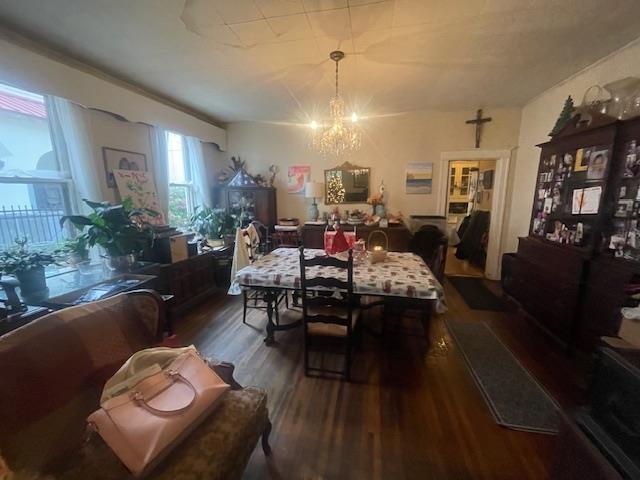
<point x="498" y="202"/>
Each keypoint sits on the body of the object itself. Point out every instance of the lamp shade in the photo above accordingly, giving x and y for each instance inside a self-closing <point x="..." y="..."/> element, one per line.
<point x="313" y="190"/>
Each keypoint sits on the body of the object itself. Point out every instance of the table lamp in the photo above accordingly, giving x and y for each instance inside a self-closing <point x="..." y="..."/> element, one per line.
<point x="313" y="190"/>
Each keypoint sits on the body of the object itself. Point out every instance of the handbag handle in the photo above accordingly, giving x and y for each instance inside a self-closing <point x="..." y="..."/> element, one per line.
<point x="174" y="375"/>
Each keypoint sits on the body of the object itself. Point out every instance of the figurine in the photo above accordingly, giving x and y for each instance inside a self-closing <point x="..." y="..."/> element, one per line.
<point x="273" y="170"/>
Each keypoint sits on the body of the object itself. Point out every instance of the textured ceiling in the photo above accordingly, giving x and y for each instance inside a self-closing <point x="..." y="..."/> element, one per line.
<point x="268" y="59"/>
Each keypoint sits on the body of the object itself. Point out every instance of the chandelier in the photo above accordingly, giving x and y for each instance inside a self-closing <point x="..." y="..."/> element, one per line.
<point x="340" y="135"/>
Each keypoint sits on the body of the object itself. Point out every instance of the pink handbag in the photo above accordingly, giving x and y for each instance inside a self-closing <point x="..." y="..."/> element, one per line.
<point x="144" y="424"/>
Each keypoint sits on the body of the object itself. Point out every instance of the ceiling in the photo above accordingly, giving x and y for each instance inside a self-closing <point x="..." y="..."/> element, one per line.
<point x="268" y="59"/>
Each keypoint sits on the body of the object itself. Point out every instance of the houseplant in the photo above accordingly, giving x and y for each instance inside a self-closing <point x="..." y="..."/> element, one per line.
<point x="119" y="229"/>
<point x="213" y="223"/>
<point x="76" y="249"/>
<point x="27" y="266"/>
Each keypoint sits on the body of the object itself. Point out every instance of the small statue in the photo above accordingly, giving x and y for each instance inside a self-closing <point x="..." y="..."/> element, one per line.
<point x="273" y="170"/>
<point x="237" y="165"/>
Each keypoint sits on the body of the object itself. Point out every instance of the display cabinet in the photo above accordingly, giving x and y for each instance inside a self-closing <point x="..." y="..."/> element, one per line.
<point x="248" y="203"/>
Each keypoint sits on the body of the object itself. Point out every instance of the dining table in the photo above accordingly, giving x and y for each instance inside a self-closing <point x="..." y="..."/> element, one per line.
<point x="403" y="277"/>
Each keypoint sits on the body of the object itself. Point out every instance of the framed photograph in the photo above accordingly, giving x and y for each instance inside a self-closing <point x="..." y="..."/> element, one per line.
<point x="582" y="161"/>
<point x="597" y="164"/>
<point x="419" y="178"/>
<point x="115" y="159"/>
<point x="624" y="208"/>
<point x="487" y="180"/>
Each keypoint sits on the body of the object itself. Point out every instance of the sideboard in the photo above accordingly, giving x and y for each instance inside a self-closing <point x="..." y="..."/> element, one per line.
<point x="398" y="235"/>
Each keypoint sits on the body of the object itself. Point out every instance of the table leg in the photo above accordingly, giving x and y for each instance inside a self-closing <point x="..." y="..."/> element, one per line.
<point x="270" y="338"/>
<point x="271" y="299"/>
<point x="425" y="318"/>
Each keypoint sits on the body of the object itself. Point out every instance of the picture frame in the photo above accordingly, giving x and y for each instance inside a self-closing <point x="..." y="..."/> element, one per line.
<point x="117" y="159"/>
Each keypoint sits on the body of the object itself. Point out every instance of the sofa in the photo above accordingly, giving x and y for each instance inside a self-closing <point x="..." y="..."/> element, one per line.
<point x="53" y="371"/>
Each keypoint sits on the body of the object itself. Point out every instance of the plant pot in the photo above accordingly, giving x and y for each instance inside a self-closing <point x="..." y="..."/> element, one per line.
<point x="33" y="283"/>
<point x="120" y="263"/>
<point x="76" y="258"/>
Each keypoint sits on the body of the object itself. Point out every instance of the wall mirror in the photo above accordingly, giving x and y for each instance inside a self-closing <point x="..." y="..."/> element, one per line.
<point x="346" y="183"/>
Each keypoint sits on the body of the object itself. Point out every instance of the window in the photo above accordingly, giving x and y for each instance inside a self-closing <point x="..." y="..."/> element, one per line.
<point x="33" y="186"/>
<point x="181" y="198"/>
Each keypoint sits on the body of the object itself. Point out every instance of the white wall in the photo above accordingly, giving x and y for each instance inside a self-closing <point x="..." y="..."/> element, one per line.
<point x="539" y="116"/>
<point x="389" y="144"/>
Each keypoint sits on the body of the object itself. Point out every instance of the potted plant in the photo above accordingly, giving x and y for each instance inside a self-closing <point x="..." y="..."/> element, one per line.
<point x="119" y="229"/>
<point x="27" y="266"/>
<point x="76" y="249"/>
<point x="213" y="223"/>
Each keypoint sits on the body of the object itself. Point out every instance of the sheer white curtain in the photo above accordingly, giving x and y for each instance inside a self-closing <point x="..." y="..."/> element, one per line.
<point x="74" y="149"/>
<point x="199" y="174"/>
<point x="160" y="152"/>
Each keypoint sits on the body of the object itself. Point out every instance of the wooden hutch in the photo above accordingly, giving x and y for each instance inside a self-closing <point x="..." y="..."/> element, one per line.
<point x="572" y="272"/>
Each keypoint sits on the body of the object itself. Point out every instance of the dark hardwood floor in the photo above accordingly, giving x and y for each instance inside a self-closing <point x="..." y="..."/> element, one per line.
<point x="409" y="413"/>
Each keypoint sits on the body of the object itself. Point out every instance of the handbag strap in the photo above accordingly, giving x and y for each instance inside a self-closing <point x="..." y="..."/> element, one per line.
<point x="175" y="376"/>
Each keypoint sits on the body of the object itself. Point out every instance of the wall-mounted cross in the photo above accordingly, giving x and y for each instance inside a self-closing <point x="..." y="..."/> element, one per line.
<point x="478" y="121"/>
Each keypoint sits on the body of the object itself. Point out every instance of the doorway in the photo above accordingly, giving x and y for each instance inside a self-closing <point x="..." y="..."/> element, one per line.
<point x="469" y="198"/>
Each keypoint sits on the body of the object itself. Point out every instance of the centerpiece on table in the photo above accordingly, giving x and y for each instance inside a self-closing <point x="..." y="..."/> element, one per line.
<point x="28" y="267"/>
<point x="119" y="229"/>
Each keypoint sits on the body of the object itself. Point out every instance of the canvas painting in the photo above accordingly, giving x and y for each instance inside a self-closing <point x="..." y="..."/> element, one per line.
<point x="139" y="186"/>
<point x="115" y="159"/>
<point x="297" y="176"/>
<point x="419" y="178"/>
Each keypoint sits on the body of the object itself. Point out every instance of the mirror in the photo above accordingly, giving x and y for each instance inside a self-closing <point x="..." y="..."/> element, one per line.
<point x="346" y="183"/>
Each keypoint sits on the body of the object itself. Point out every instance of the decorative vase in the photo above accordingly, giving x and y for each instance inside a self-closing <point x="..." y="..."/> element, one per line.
<point x="380" y="210"/>
<point x="312" y="212"/>
<point x="120" y="263"/>
<point x="33" y="283"/>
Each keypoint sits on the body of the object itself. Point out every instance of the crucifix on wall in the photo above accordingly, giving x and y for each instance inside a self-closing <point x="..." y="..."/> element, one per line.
<point x="478" y="122"/>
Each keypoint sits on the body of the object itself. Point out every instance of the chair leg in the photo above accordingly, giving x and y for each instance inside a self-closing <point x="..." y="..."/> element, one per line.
<point x="306" y="353"/>
<point x="347" y="362"/>
<point x="266" y="448"/>
<point x="244" y="307"/>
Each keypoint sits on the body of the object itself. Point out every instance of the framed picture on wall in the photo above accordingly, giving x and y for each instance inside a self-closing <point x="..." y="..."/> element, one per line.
<point x="419" y="177"/>
<point x="115" y="159"/>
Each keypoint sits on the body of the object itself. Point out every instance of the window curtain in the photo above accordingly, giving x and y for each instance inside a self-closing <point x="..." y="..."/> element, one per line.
<point x="199" y="172"/>
<point x="160" y="154"/>
<point x="74" y="149"/>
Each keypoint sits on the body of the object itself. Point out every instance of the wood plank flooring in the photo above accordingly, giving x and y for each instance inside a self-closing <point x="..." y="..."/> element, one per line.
<point x="411" y="412"/>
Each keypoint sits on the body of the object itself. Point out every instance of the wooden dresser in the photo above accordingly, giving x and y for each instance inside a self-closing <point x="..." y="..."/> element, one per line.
<point x="547" y="282"/>
<point x="398" y="235"/>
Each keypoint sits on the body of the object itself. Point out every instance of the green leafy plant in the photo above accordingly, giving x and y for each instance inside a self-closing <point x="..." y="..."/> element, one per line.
<point x="77" y="247"/>
<point x="212" y="223"/>
<point x="19" y="259"/>
<point x="119" y="229"/>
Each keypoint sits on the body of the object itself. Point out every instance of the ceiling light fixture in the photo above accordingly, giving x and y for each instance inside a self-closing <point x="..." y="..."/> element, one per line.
<point x="339" y="136"/>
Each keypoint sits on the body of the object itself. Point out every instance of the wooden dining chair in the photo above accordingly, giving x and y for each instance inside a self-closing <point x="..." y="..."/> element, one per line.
<point x="332" y="315"/>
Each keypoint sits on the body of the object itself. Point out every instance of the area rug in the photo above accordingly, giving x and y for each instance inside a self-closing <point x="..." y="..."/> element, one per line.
<point x="514" y="397"/>
<point x="476" y="294"/>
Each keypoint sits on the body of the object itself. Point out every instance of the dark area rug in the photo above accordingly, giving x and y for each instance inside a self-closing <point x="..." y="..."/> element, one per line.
<point x="476" y="294"/>
<point x="514" y="397"/>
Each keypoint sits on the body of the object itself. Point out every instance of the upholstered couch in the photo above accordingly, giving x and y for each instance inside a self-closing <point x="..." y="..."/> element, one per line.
<point x="51" y="375"/>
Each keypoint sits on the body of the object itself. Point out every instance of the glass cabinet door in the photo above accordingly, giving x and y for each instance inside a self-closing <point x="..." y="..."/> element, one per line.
<point x="242" y="205"/>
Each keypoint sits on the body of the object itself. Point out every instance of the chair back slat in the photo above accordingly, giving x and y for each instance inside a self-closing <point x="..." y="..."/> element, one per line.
<point x="343" y="303"/>
<point x="322" y="301"/>
<point x="326" y="261"/>
<point x="327" y="282"/>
